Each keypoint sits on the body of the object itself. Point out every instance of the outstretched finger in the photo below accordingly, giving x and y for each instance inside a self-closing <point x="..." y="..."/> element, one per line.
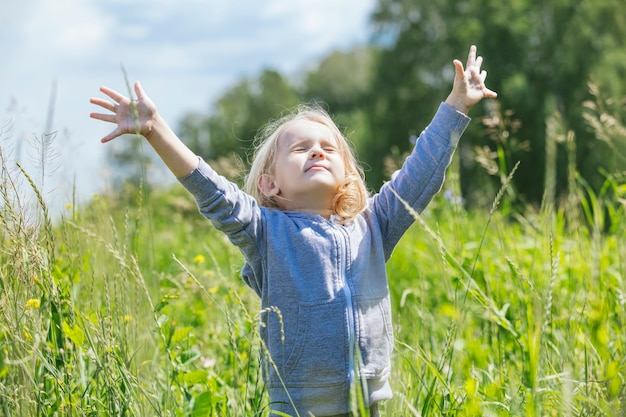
<point x="113" y="94"/>
<point x="141" y="94"/>
<point x="479" y="62"/>
<point x="104" y="117"/>
<point x="471" y="56"/>
<point x="104" y="104"/>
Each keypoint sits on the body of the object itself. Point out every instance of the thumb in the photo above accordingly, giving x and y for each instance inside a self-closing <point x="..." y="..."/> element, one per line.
<point x="458" y="69"/>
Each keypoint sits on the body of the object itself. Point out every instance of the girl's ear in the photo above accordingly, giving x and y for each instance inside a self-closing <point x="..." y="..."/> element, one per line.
<point x="268" y="186"/>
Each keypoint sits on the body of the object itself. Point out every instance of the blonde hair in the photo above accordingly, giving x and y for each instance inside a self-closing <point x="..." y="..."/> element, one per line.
<point x="352" y="195"/>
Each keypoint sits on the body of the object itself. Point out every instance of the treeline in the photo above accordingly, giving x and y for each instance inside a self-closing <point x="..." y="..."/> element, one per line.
<point x="559" y="68"/>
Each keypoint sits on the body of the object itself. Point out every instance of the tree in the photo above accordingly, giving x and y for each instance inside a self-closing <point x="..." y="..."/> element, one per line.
<point x="540" y="57"/>
<point x="130" y="158"/>
<point x="237" y="116"/>
<point x="342" y="79"/>
<point x="339" y="84"/>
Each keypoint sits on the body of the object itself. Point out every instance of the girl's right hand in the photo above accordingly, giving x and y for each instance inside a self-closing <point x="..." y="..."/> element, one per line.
<point x="130" y="116"/>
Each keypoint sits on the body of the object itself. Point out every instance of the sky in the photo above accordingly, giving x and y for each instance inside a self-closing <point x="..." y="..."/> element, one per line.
<point x="186" y="53"/>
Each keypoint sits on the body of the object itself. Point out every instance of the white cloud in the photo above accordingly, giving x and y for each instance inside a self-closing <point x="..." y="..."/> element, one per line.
<point x="185" y="52"/>
<point x="64" y="27"/>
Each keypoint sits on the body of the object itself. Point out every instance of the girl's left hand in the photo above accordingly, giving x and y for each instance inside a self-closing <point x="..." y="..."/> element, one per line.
<point x="469" y="83"/>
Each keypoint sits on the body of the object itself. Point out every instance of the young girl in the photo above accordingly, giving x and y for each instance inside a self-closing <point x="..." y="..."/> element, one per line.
<point x="314" y="242"/>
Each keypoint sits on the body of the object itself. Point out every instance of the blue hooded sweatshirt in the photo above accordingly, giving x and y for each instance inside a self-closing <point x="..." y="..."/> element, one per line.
<point x="326" y="319"/>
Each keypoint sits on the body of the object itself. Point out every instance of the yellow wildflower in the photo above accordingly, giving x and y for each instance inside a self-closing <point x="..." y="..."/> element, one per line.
<point x="198" y="259"/>
<point x="33" y="303"/>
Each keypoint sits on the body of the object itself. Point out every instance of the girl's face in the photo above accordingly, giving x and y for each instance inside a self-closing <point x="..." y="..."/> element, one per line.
<point x="308" y="168"/>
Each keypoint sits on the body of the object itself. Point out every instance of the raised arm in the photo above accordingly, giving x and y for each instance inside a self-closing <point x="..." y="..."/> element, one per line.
<point x="141" y="117"/>
<point x="469" y="83"/>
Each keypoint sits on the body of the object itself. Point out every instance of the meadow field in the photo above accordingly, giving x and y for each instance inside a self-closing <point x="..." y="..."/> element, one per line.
<point x="132" y="305"/>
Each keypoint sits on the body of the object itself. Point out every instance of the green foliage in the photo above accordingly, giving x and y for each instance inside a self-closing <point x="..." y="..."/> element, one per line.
<point x="132" y="305"/>
<point x="98" y="318"/>
<point x="539" y="56"/>
<point x="342" y="80"/>
<point x="340" y="83"/>
<point x="131" y="160"/>
<point x="238" y="115"/>
<point x="523" y="318"/>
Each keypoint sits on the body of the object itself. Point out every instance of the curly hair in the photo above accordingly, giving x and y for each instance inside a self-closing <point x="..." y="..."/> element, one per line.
<point x="352" y="195"/>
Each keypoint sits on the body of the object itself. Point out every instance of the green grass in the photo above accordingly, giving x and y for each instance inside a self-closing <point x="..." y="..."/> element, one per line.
<point x="132" y="305"/>
<point x="526" y="319"/>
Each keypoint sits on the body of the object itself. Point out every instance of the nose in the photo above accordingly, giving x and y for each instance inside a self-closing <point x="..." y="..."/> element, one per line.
<point x="317" y="153"/>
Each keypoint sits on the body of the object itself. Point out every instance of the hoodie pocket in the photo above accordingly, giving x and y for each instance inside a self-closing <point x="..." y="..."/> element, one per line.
<point x="318" y="348"/>
<point x="375" y="335"/>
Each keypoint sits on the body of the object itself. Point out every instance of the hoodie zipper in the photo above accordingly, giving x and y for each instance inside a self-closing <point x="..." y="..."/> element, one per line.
<point x="347" y="293"/>
<point x="351" y="331"/>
